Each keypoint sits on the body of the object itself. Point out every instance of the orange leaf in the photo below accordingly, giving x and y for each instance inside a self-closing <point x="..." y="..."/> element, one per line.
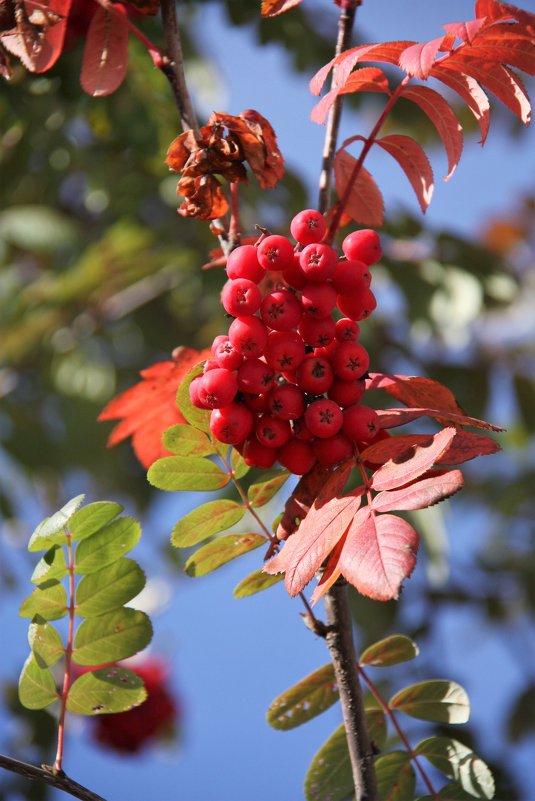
<point x="105" y="59"/>
<point x="365" y="203"/>
<point x="366" y="79"/>
<point x="271" y="8"/>
<point x="147" y="409"/>
<point x="466" y="31"/>
<point x="38" y="33"/>
<point x="412" y="159"/>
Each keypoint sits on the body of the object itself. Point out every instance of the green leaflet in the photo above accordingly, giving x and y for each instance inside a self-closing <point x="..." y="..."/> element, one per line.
<point x="256" y="582"/>
<point x="220" y="551"/>
<point x="51" y="531"/>
<point x="174" y="473"/>
<point x="49" y="600"/>
<point x="263" y="491"/>
<point x="111" y="637"/>
<point x="450" y="792"/>
<point x="45" y="642"/>
<point x="107" y="545"/>
<point x="305" y="700"/>
<point x="91" y="518"/>
<point x="104" y="691"/>
<point x="396" y="780"/>
<point x="37" y="688"/>
<point x="184" y="440"/>
<point x="390" y="651"/>
<point x="438" y="700"/>
<point x="109" y="588"/>
<point x="377" y="728"/>
<point x="206" y="520"/>
<point x="460" y="763"/>
<point x="198" y="418"/>
<point x="239" y="467"/>
<point x="329" y="775"/>
<point x="52" y="565"/>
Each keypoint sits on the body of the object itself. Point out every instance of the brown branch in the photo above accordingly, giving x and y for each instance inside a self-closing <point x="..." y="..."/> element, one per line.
<point x="342" y="649"/>
<point x="173" y="68"/>
<point x="345" y="29"/>
<point x="46" y="774"/>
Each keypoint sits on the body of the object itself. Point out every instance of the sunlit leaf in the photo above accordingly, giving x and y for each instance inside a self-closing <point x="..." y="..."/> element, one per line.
<point x="305" y="700"/>
<point x="413" y="161"/>
<point x="220" y="551"/>
<point x="460" y="763"/>
<point x="184" y="440"/>
<point x="45" y="642"/>
<point x="390" y="651"/>
<point x="255" y="582"/>
<point x="438" y="700"/>
<point x="238" y="464"/>
<point x="417" y="461"/>
<point x="37" y="688"/>
<point x="174" y="473"/>
<point x="198" y="418"/>
<point x="51" y="531"/>
<point x="107" y="545"/>
<point x="89" y="519"/>
<point x="111" y="637"/>
<point x="434" y="486"/>
<point x="49" y="600"/>
<point x="109" y="588"/>
<point x="52" y="565"/>
<point x="206" y="520"/>
<point x="105" y="59"/>
<point x="261" y="492"/>
<point x="106" y="691"/>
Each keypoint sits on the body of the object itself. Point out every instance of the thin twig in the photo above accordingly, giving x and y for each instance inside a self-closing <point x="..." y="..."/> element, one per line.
<point x="46" y="774"/>
<point x="173" y="69"/>
<point x="342" y="649"/>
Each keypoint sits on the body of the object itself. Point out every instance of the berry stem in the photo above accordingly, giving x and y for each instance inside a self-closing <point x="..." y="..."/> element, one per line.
<point x="68" y="657"/>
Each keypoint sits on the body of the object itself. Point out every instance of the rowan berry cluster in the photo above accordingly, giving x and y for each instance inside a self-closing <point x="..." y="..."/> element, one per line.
<point x="286" y="383"/>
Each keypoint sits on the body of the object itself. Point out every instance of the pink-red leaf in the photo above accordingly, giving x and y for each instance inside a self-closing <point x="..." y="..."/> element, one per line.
<point x="390" y="418"/>
<point x="366" y="79"/>
<point x="417" y="59"/>
<point x="54" y="36"/>
<point x="331" y="571"/>
<point x="494" y="11"/>
<point x="466" y="31"/>
<point x="412" y="159"/>
<point x="469" y="90"/>
<point x="365" y="203"/>
<point x="443" y="118"/>
<point x="105" y="59"/>
<point x="271" y="8"/>
<point x="435" y="486"/>
<point x="414" y="390"/>
<point x="467" y="445"/>
<point x="387" y="52"/>
<point x="503" y="43"/>
<point x="415" y="462"/>
<point x="379" y="553"/>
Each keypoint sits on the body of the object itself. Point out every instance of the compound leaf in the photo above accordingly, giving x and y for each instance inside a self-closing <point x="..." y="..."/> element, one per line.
<point x="435" y="486"/>
<point x="92" y="518"/>
<point x="305" y="700"/>
<point x="52" y="565"/>
<point x="206" y="520"/>
<point x="184" y="440"/>
<point x="106" y="691"/>
<point x="109" y="588"/>
<point x="263" y="491"/>
<point x="396" y="780"/>
<point x="365" y="203"/>
<point x="417" y="461"/>
<point x="413" y="161"/>
<point x="108" y="638"/>
<point x="45" y="642"/>
<point x="105" y="59"/>
<point x="198" y="418"/>
<point x="329" y="775"/>
<point x="438" y="700"/>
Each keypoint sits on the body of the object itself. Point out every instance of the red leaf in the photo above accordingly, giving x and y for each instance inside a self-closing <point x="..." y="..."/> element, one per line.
<point x="443" y="118"/>
<point x="505" y="44"/>
<point x="432" y="488"/>
<point x="388" y="52"/>
<point x="380" y="551"/>
<point x="466" y="31"/>
<point x="148" y="408"/>
<point x="331" y="571"/>
<point x="366" y="79"/>
<point x="415" y="462"/>
<point x="466" y="445"/>
<point x="317" y="535"/>
<point x="38" y="36"/>
<point x="413" y="390"/>
<point x="271" y="8"/>
<point x="54" y="36"/>
<point x="496" y="11"/>
<point x="390" y="418"/>
<point x="412" y="159"/>
<point x="365" y="204"/>
<point x="393" y="448"/>
<point x="418" y="59"/>
<point x="105" y="57"/>
<point x="470" y="91"/>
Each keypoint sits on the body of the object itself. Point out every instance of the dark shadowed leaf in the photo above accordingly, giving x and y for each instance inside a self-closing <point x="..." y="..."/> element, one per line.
<point x="105" y="691"/>
<point x="174" y="473"/>
<point x="263" y="491"/>
<point x="255" y="582"/>
<point x="329" y="775"/>
<point x="396" y="780"/>
<point x="50" y="531"/>
<point x="49" y="600"/>
<point x="45" y="642"/>
<point x="107" y="545"/>
<point x="390" y="651"/>
<point x="220" y="551"/>
<point x="206" y="520"/>
<point x="37" y="688"/>
<point x="108" y="638"/>
<point x="460" y="763"/>
<point x="305" y="700"/>
<point x="439" y="700"/>
<point x="109" y="588"/>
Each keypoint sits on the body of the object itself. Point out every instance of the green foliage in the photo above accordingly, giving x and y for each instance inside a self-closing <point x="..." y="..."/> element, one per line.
<point x="329" y="775"/>
<point x="396" y="780"/>
<point x="261" y="492"/>
<point x="107" y="545"/>
<point x="109" y="588"/>
<point x="106" y="691"/>
<point x="49" y="600"/>
<point x="206" y="520"/>
<point x="437" y="700"/>
<point x="51" y="531"/>
<point x="460" y="763"/>
<point x="255" y="582"/>
<point x="174" y="473"/>
<point x="37" y="686"/>
<point x="306" y="699"/>
<point x="198" y="418"/>
<point x="184" y="440"/>
<point x="220" y="551"/>
<point x="390" y="651"/>
<point x="108" y="638"/>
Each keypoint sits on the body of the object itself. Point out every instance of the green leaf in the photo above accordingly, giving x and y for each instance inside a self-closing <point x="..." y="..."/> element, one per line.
<point x="108" y="638"/>
<point x="92" y="518"/>
<point x="109" y="588"/>
<point x="186" y="473"/>
<point x="439" y="700"/>
<point x="220" y="551"/>
<point x="184" y="440"/>
<point x="396" y="780"/>
<point x="107" y="545"/>
<point x="198" y="418"/>
<point x="51" y="531"/>
<point x="239" y="467"/>
<point x="460" y="763"/>
<point x="450" y="792"/>
<point x="329" y="777"/>
<point x="206" y="520"/>
<point x="37" y="688"/>
<point x="390" y="651"/>
<point x="105" y="691"/>
<point x="305" y="700"/>
<point x="49" y="600"/>
<point x="377" y="728"/>
<point x="45" y="642"/>
<point x="256" y="582"/>
<point x="52" y="565"/>
<point x="263" y="491"/>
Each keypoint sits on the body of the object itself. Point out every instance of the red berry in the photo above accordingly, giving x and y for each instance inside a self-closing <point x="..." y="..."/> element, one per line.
<point x="194" y="394"/>
<point x="271" y="431"/>
<point x="300" y="429"/>
<point x="317" y="332"/>
<point x="243" y="263"/>
<point x="248" y="336"/>
<point x="285" y="350"/>
<point x="232" y="423"/>
<point x="210" y="364"/>
<point x="351" y="277"/>
<point x="346" y="393"/>
<point x="257" y="455"/>
<point x="324" y="418"/>
<point x="363" y="245"/>
<point x="314" y="375"/>
<point x="318" y="300"/>
<point x="294" y="275"/>
<point x="347" y="330"/>
<point x="297" y="456"/>
<point x="307" y="227"/>
<point x="350" y="360"/>
<point x="256" y="402"/>
<point x="218" y="340"/>
<point x="255" y="376"/>
<point x="286" y="401"/>
<point x="217" y="388"/>
<point x="332" y="450"/>
<point x="358" y="307"/>
<point x="226" y="355"/>
<point x="281" y="310"/>
<point x="318" y="262"/>
<point x="275" y="252"/>
<point x="241" y="297"/>
<point x="361" y="424"/>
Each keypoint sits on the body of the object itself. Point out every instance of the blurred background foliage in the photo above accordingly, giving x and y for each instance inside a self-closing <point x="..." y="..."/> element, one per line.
<point x="100" y="279"/>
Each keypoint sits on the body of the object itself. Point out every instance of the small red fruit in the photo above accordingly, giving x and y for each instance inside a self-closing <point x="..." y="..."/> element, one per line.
<point x="257" y="455"/>
<point x="281" y="310"/>
<point x="243" y="263"/>
<point x="286" y="401"/>
<point x="332" y="450"/>
<point x="255" y="377"/>
<point x="314" y="375"/>
<point x="363" y="245"/>
<point x="318" y="262"/>
<point x="271" y="431"/>
<point x="285" y="350"/>
<point x="324" y="418"/>
<point x="308" y="226"/>
<point x="248" y="336"/>
<point x="275" y="252"/>
<point x="297" y="456"/>
<point x="361" y="424"/>
<point x="350" y="360"/>
<point x="232" y="423"/>
<point x="241" y="297"/>
<point x="318" y="300"/>
<point x="217" y="388"/>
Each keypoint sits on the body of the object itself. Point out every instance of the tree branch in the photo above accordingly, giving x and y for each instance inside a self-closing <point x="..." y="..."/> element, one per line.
<point x="173" y="69"/>
<point x="340" y="642"/>
<point x="46" y="774"/>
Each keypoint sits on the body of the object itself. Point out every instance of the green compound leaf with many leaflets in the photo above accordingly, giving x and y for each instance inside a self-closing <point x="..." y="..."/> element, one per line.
<point x="396" y="780"/>
<point x="184" y="440"/>
<point x="45" y="642"/>
<point x="220" y="551"/>
<point x="439" y="700"/>
<point x="51" y="531"/>
<point x="460" y="763"/>
<point x="109" y="588"/>
<point x="205" y="521"/>
<point x="173" y="473"/>
<point x="37" y="688"/>
<point x="305" y="700"/>
<point x="106" y="691"/>
<point x="49" y="600"/>
<point x="107" y="545"/>
<point x="390" y="651"/>
<point x="261" y="492"/>
<point x="109" y="638"/>
<point x="255" y="582"/>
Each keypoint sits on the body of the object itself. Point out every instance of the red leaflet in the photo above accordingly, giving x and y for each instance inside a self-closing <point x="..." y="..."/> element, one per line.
<point x="331" y="571"/>
<point x="443" y="118"/>
<point x="388" y="52"/>
<point x="390" y="418"/>
<point x="412" y="159"/>
<point x="54" y="36"/>
<point x="35" y="34"/>
<point x="380" y="551"/>
<point x="505" y="44"/>
<point x="270" y="8"/>
<point x="470" y="91"/>
<point x="413" y="463"/>
<point x="496" y="11"/>
<point x="466" y="31"/>
<point x="148" y="408"/>
<point x="365" y="204"/>
<point x="366" y="79"/>
<point x="418" y="59"/>
<point x="466" y="445"/>
<point x="432" y="488"/>
<point x="105" y="58"/>
<point x="413" y="390"/>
